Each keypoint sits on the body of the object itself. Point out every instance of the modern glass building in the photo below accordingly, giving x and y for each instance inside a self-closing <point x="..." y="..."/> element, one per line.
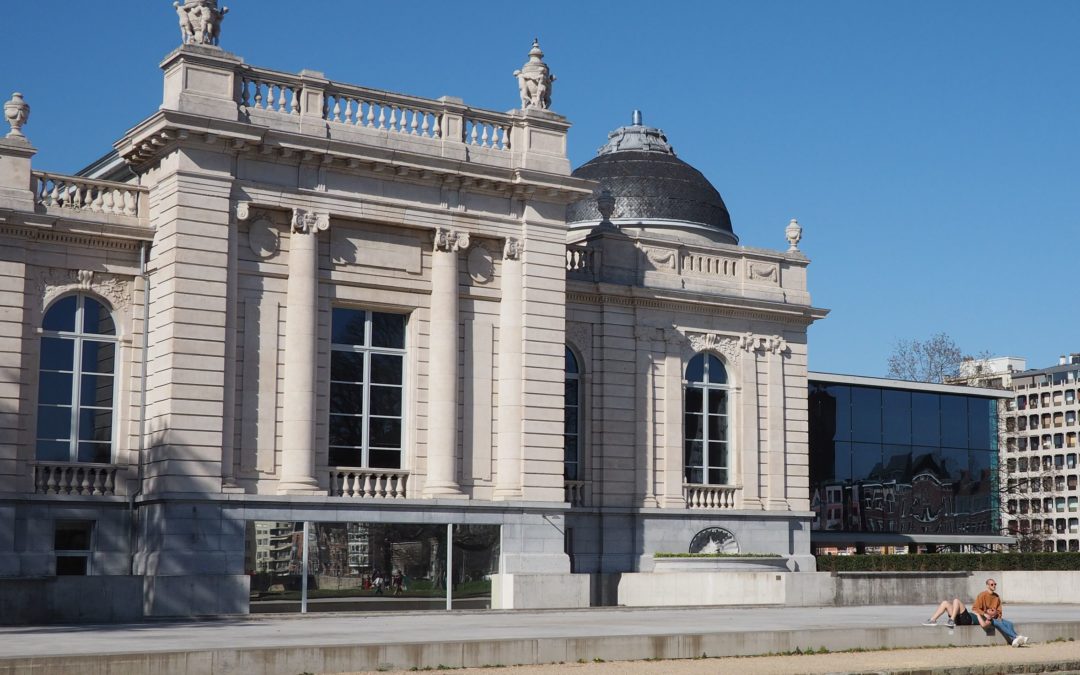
<point x="908" y="464"/>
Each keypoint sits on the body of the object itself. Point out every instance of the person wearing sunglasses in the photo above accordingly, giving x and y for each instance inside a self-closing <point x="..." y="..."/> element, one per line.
<point x="987" y="608"/>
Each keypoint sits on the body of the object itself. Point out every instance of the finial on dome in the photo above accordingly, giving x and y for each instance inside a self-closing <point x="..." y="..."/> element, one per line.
<point x="534" y="80"/>
<point x="200" y="21"/>
<point x="637" y="118"/>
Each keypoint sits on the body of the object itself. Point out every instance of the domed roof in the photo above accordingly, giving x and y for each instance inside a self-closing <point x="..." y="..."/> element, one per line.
<point x="651" y="186"/>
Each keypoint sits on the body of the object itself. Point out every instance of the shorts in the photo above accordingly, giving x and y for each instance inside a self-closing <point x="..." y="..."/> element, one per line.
<point x="966" y="618"/>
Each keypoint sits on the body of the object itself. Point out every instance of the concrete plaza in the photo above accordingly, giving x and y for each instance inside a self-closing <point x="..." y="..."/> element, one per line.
<point x="336" y="643"/>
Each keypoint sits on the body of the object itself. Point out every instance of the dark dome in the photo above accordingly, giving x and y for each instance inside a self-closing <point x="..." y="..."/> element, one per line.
<point x="649" y="183"/>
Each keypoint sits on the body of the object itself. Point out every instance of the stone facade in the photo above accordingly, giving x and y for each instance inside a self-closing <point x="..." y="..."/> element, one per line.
<point x="224" y="237"/>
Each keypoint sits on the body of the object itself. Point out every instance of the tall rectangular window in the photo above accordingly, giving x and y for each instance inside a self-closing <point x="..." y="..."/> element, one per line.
<point x="367" y="389"/>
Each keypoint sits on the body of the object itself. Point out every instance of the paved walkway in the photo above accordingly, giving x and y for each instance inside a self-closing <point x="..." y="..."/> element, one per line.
<point x="334" y="642"/>
<point x="1053" y="657"/>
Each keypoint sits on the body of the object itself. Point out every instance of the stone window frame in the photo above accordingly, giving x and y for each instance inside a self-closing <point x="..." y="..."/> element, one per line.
<point x="120" y="363"/>
<point x="86" y="553"/>
<point x="407" y="385"/>
<point x="579" y="378"/>
<point x="729" y="389"/>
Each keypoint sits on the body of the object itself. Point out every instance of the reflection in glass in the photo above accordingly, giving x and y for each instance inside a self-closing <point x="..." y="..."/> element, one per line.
<point x="866" y="414"/>
<point x="75" y="382"/>
<point x="705" y="441"/>
<point x="360" y="566"/>
<point x="917" y="476"/>
<point x="571" y="418"/>
<point x="954" y="421"/>
<point x="367" y="373"/>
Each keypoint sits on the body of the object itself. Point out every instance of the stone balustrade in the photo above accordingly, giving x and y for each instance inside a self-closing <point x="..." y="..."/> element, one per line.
<point x="369" y="483"/>
<point x="709" y="497"/>
<point x="266" y="90"/>
<point x="579" y="259"/>
<point x="372" y="109"/>
<point x="70" y="478"/>
<point x="72" y="193"/>
<point x="487" y="131"/>
<point x="284" y="93"/>
<point x="576" y="492"/>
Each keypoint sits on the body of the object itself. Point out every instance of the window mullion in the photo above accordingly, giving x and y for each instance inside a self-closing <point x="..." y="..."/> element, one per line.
<point x="365" y="408"/>
<point x="76" y="376"/>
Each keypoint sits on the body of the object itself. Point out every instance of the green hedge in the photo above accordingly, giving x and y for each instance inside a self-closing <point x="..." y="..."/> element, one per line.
<point x="948" y="562"/>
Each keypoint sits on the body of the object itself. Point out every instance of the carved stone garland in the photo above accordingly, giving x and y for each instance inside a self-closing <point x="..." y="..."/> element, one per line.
<point x="51" y="283"/>
<point x="732" y="346"/>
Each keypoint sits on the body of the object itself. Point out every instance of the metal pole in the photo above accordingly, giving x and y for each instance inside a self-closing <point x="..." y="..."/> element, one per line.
<point x="304" y="571"/>
<point x="449" y="566"/>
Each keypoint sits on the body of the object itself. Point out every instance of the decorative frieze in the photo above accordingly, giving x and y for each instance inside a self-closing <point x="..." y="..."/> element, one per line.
<point x="661" y="258"/>
<point x="50" y="283"/>
<point x="732" y="346"/>
<point x="728" y="345"/>
<point x="763" y="272"/>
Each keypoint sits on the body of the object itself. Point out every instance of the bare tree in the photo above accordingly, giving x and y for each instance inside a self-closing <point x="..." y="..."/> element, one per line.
<point x="931" y="360"/>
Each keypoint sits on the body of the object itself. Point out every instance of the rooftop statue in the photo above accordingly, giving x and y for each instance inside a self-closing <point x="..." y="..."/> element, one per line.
<point x="534" y="80"/>
<point x="200" y="21"/>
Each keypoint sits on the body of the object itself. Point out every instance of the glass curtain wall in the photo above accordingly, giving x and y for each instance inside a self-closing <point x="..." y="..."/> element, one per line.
<point x="902" y="461"/>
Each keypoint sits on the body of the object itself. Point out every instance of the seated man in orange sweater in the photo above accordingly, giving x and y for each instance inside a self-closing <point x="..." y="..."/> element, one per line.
<point x="988" y="608"/>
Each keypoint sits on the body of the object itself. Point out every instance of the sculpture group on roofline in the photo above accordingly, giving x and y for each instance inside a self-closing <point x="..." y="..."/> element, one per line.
<point x="534" y="80"/>
<point x="200" y="21"/>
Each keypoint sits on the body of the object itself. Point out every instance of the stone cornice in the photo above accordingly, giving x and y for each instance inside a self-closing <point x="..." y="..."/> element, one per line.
<point x="111" y="238"/>
<point x="797" y="316"/>
<point x="166" y="129"/>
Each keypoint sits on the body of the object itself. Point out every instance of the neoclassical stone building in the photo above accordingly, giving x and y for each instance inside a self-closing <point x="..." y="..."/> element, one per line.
<point x="287" y="299"/>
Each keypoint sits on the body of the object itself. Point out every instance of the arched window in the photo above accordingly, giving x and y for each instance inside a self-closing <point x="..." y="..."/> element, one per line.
<point x="572" y="419"/>
<point x="76" y="383"/>
<point x="706" y="422"/>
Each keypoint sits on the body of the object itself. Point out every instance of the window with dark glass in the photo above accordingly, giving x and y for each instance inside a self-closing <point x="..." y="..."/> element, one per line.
<point x="706" y="421"/>
<point x="72" y="546"/>
<point x="367" y="389"/>
<point x="76" y="382"/>
<point x="572" y="419"/>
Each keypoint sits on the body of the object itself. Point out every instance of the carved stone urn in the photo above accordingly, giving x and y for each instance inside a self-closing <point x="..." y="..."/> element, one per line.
<point x="793" y="232"/>
<point x="16" y="112"/>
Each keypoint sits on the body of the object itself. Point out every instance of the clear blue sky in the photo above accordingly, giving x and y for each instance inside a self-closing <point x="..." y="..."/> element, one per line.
<point x="929" y="149"/>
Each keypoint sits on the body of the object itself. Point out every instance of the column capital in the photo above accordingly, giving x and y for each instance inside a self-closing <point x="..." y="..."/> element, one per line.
<point x="513" y="248"/>
<point x="450" y="241"/>
<point x="309" y="222"/>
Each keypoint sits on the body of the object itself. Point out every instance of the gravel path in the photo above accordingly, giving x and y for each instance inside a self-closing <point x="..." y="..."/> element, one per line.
<point x="957" y="660"/>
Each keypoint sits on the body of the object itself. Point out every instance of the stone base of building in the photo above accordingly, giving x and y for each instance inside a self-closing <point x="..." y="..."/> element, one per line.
<point x="539" y="591"/>
<point x="613" y="542"/>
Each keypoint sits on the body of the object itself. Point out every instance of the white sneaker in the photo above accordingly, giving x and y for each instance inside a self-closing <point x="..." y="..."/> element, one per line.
<point x="1023" y="640"/>
<point x="1016" y="641"/>
<point x="929" y="622"/>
